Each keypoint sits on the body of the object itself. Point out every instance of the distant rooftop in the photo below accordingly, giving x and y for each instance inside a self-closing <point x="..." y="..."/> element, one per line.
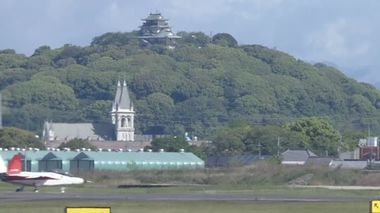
<point x="154" y="16"/>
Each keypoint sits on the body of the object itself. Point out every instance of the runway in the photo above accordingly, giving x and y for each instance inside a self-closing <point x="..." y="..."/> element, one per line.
<point x="43" y="196"/>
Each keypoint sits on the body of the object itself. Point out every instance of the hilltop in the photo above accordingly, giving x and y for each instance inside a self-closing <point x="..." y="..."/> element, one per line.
<point x="200" y="85"/>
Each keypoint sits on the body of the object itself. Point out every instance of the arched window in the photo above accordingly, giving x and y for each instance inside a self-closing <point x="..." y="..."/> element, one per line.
<point x="123" y="122"/>
<point x="129" y="121"/>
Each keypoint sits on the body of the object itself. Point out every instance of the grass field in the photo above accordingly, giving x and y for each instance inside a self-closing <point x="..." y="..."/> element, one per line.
<point x="269" y="180"/>
<point x="194" y="206"/>
<point x="187" y="207"/>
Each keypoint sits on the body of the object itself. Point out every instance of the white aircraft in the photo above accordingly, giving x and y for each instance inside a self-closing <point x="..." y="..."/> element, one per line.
<point x="14" y="174"/>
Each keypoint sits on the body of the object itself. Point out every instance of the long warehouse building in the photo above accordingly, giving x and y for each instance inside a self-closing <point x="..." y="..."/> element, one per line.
<point x="79" y="161"/>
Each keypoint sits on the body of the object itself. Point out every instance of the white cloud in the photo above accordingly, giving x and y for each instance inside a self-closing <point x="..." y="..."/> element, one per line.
<point x="111" y="16"/>
<point x="337" y="40"/>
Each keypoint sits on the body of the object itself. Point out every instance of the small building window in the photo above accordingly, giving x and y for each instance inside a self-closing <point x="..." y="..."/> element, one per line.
<point x="123" y="122"/>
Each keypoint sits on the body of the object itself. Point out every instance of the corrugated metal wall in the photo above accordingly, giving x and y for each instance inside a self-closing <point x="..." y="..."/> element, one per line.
<point x="71" y="161"/>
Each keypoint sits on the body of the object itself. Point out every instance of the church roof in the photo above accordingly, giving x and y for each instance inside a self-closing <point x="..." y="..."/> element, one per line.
<point x="122" y="100"/>
<point x="117" y="95"/>
<point x="89" y="131"/>
<point x="125" y="101"/>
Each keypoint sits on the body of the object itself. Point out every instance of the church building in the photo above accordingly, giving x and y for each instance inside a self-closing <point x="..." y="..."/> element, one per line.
<point x="120" y="129"/>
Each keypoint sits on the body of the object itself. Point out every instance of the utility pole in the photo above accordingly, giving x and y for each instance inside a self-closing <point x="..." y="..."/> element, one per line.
<point x="278" y="146"/>
<point x="340" y="143"/>
<point x="1" y="113"/>
<point x="259" y="145"/>
<point x="370" y="147"/>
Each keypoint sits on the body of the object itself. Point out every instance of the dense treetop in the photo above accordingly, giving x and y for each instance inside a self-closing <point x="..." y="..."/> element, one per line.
<point x="199" y="86"/>
<point x="13" y="137"/>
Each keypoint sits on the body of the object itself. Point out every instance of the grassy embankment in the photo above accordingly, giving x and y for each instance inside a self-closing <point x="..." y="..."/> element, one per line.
<point x="263" y="173"/>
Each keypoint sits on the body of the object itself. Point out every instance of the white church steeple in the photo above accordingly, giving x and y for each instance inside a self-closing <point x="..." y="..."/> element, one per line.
<point x="123" y="114"/>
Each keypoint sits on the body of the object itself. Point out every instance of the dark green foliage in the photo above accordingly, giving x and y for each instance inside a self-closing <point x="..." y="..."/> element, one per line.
<point x="350" y="138"/>
<point x="42" y="50"/>
<point x="197" y="39"/>
<point x="13" y="137"/>
<point x="114" y="39"/>
<point x="200" y="86"/>
<point x="169" y="144"/>
<point x="155" y="113"/>
<point x="320" y="135"/>
<point x="9" y="59"/>
<point x="87" y="84"/>
<point x="97" y="111"/>
<point x="11" y="76"/>
<point x="77" y="144"/>
<point x="45" y="91"/>
<point x="224" y="39"/>
<point x="69" y="54"/>
<point x="175" y="144"/>
<point x="244" y="138"/>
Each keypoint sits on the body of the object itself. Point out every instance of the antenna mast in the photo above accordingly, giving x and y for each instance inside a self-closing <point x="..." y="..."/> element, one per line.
<point x="1" y="112"/>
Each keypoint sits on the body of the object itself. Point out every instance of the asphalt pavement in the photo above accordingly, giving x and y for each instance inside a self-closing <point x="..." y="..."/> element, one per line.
<point x="39" y="196"/>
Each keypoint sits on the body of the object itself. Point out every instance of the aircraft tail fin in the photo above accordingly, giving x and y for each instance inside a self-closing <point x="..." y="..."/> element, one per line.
<point x="15" y="165"/>
<point x="3" y="168"/>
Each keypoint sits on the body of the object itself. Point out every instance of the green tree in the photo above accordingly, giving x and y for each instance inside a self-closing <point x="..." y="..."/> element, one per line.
<point x="46" y="91"/>
<point x="208" y="82"/>
<point x="77" y="143"/>
<point x="9" y="59"/>
<point x="272" y="140"/>
<point x="175" y="144"/>
<point x="322" y="136"/>
<point x="198" y="39"/>
<point x="14" y="137"/>
<point x="224" y="39"/>
<point x="156" y="112"/>
<point x="97" y="111"/>
<point x="69" y="53"/>
<point x="169" y="144"/>
<point x="350" y="138"/>
<point x="12" y="76"/>
<point x="198" y="151"/>
<point x="114" y="38"/>
<point x="87" y="84"/>
<point x="230" y="140"/>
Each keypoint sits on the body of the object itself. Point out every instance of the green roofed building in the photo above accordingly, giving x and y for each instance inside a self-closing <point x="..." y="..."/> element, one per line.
<point x="80" y="161"/>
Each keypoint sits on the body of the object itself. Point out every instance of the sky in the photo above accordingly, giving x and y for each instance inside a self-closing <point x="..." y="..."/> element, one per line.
<point x="342" y="33"/>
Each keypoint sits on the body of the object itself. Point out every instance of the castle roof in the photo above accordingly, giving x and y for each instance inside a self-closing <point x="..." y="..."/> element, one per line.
<point x="154" y="16"/>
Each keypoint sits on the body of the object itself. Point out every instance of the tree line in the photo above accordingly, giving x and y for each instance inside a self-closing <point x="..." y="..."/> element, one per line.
<point x="201" y="86"/>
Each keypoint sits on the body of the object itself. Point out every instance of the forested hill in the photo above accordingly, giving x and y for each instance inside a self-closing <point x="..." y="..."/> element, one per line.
<point x="200" y="85"/>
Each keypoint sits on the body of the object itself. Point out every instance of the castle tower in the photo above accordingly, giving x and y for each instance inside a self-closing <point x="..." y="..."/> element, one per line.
<point x="122" y="114"/>
<point x="155" y="29"/>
